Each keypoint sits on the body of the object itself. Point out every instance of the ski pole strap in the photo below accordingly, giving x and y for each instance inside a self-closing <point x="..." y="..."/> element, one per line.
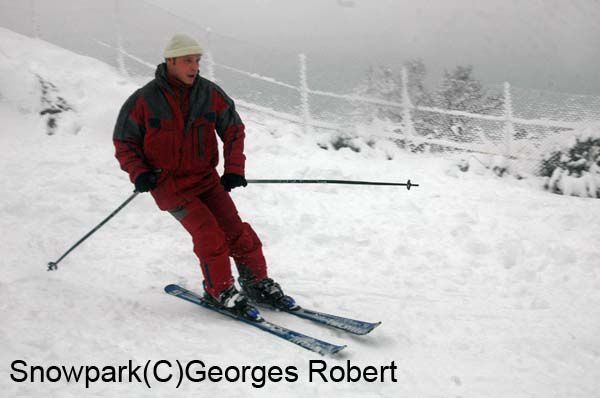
<point x="406" y="184"/>
<point x="53" y="265"/>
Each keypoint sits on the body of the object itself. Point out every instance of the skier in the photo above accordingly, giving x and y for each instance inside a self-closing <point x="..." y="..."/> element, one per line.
<point x="165" y="140"/>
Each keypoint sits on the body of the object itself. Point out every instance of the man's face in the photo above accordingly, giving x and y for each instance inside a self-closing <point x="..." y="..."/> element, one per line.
<point x="184" y="68"/>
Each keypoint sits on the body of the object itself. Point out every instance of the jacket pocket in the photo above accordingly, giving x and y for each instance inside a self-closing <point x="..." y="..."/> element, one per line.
<point x="205" y="145"/>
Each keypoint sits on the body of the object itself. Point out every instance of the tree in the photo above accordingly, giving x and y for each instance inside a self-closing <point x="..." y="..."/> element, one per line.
<point x="385" y="83"/>
<point x="460" y="91"/>
<point x="380" y="83"/>
<point x="416" y="73"/>
<point x="425" y="122"/>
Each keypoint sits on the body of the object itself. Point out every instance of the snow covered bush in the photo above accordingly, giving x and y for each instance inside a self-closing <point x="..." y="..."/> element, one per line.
<point x="574" y="169"/>
<point x="52" y="105"/>
<point x="343" y="141"/>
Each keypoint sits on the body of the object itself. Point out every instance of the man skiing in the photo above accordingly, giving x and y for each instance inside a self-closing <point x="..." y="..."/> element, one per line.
<point x="165" y="139"/>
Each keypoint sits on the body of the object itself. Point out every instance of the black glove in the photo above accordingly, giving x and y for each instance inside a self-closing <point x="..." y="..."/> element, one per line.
<point x="145" y="182"/>
<point x="230" y="181"/>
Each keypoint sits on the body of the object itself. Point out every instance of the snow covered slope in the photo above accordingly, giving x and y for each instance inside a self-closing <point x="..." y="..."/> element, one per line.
<point x="486" y="287"/>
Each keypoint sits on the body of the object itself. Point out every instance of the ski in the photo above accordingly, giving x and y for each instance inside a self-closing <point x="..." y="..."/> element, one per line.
<point x="346" y="324"/>
<point x="306" y="342"/>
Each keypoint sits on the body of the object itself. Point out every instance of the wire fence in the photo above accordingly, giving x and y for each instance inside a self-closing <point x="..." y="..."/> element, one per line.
<point x="282" y="84"/>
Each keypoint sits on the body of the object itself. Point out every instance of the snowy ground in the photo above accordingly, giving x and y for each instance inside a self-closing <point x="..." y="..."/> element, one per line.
<point x="486" y="287"/>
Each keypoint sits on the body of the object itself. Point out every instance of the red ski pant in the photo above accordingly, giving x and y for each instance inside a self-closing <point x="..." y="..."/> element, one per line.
<point x="217" y="233"/>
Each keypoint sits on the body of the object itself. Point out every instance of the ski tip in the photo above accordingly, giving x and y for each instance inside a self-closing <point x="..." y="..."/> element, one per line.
<point x="368" y="330"/>
<point x="375" y="324"/>
<point x="172" y="288"/>
<point x="338" y="349"/>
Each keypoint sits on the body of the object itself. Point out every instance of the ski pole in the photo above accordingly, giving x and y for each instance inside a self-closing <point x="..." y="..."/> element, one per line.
<point x="53" y="265"/>
<point x="407" y="184"/>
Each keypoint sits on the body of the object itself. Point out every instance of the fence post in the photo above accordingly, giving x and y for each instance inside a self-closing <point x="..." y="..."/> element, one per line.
<point x="509" y="128"/>
<point x="407" y="124"/>
<point x="304" y="94"/>
<point x="210" y="61"/>
<point x="120" y="49"/>
<point x="35" y="27"/>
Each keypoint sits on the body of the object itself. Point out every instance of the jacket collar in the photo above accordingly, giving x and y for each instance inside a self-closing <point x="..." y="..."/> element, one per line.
<point x="197" y="100"/>
<point x="169" y="83"/>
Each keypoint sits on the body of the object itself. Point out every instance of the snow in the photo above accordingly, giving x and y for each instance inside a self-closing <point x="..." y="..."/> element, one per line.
<point x="486" y="286"/>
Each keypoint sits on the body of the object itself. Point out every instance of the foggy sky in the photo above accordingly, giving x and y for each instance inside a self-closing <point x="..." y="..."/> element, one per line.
<point x="545" y="44"/>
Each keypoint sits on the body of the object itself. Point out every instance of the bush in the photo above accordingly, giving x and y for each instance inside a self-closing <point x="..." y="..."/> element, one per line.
<point x="52" y="105"/>
<point x="575" y="168"/>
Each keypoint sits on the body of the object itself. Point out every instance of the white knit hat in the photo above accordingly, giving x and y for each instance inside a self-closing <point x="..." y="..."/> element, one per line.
<point x="181" y="45"/>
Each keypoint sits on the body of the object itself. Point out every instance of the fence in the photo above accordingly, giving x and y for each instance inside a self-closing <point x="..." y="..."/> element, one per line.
<point x="110" y="33"/>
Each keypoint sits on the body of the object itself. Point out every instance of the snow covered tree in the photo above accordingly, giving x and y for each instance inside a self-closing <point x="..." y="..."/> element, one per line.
<point x="460" y="91"/>
<point x="385" y="83"/>
<point x="381" y="83"/>
<point x="425" y="122"/>
<point x="416" y="72"/>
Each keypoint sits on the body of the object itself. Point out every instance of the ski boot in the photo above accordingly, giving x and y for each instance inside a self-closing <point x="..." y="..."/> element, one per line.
<point x="267" y="292"/>
<point x="233" y="301"/>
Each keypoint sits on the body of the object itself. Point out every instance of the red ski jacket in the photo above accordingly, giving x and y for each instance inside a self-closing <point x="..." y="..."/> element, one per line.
<point x="152" y="134"/>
